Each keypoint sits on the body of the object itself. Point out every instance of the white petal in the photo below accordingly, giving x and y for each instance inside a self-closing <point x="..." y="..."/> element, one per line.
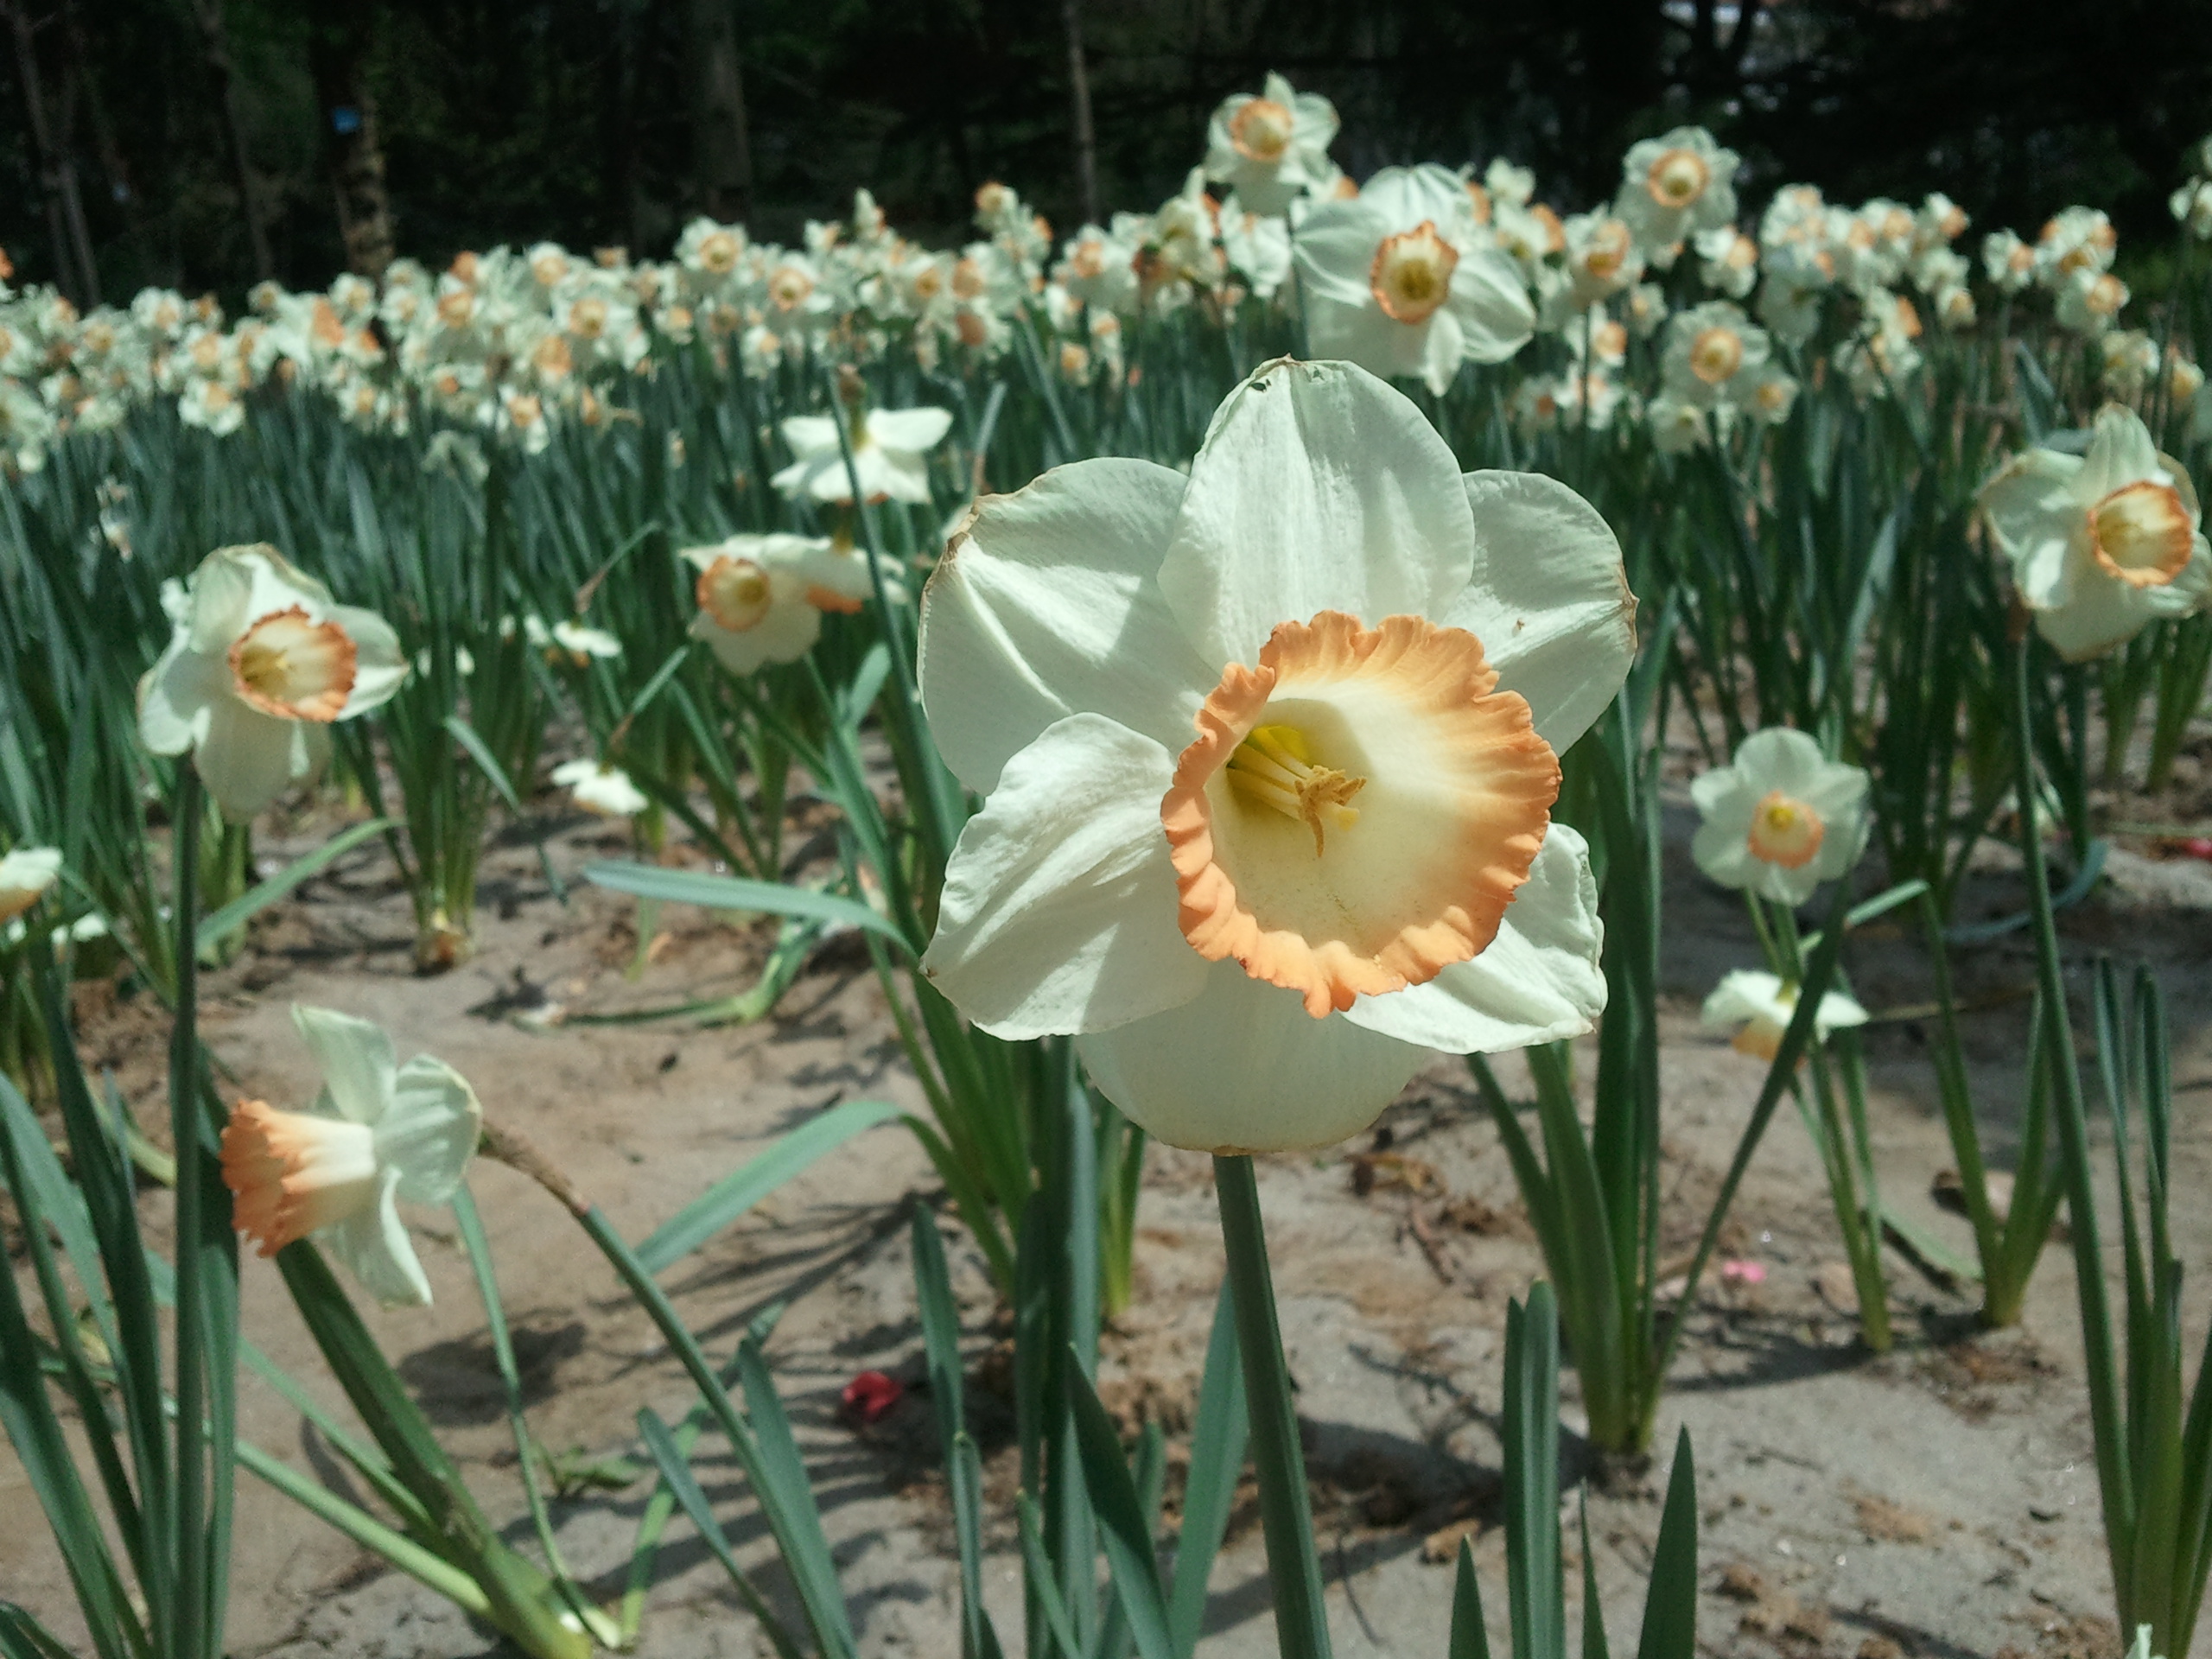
<point x="2100" y="615"/>
<point x="378" y="665"/>
<point x="1489" y="301"/>
<point x="355" y="1058"/>
<point x="222" y="588"/>
<point x="177" y="695"/>
<point x="1049" y="605"/>
<point x="1335" y="248"/>
<point x="784" y="635"/>
<point x="1059" y="908"/>
<point x="899" y="474"/>
<point x="916" y="430"/>
<point x="1318" y="489"/>
<point x="374" y="1245"/>
<point x="1242" y="1067"/>
<point x="1549" y="599"/>
<point x="1360" y="331"/>
<point x="810" y="434"/>
<point x="429" y="1132"/>
<point x="248" y="758"/>
<point x="2032" y="514"/>
<point x="1538" y="981"/>
<point x="1443" y="353"/>
<point x="2120" y="452"/>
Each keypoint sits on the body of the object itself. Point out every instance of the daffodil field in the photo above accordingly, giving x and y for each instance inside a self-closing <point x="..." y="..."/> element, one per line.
<point x="1243" y="650"/>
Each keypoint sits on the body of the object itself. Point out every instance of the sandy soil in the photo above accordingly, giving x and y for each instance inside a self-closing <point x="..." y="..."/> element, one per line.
<point x="1940" y="1500"/>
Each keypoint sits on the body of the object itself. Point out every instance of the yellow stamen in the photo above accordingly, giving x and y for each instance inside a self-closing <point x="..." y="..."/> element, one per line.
<point x="1275" y="765"/>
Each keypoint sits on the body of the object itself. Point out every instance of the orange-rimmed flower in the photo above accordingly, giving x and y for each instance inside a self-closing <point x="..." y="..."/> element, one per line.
<point x="262" y="663"/>
<point x="1761" y="1006"/>
<point x="2102" y="544"/>
<point x="1674" y="186"/>
<point x="1269" y="755"/>
<point x="379" y="1132"/>
<point x="761" y="598"/>
<point x="1780" y="820"/>
<point x="1273" y="149"/>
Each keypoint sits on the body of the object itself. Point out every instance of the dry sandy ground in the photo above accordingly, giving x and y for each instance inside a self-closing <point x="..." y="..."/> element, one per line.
<point x="1938" y="1501"/>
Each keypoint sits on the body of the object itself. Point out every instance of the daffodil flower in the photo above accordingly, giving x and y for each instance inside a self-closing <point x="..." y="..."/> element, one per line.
<point x="25" y="875"/>
<point x="761" y="598"/>
<point x="606" y="790"/>
<point x="1674" y="186"/>
<point x="1273" y="149"/>
<point x="2102" y="544"/>
<point x="377" y="1133"/>
<point x="1782" y="819"/>
<point x="262" y="662"/>
<point x="890" y="452"/>
<point x="1762" y="1006"/>
<point x="1401" y="281"/>
<point x="1269" y="755"/>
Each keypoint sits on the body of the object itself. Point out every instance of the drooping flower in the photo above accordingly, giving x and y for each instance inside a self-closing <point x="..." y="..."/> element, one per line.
<point x="761" y="597"/>
<point x="1269" y="755"/>
<point x="1273" y="149"/>
<point x="605" y="790"/>
<point x="1762" y="1007"/>
<point x="890" y="452"/>
<point x="1401" y="281"/>
<point x="377" y="1133"/>
<point x="2102" y="544"/>
<point x="25" y="873"/>
<point x="1782" y="819"/>
<point x="262" y="663"/>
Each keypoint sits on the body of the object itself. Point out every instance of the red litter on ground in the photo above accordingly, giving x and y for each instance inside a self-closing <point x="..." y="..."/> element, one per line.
<point x="1742" y="1273"/>
<point x="2196" y="847"/>
<point x="871" y="1393"/>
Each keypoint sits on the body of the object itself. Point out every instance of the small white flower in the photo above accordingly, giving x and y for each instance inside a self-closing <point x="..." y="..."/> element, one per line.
<point x="1673" y="187"/>
<point x="1782" y="819"/>
<point x="25" y="875"/>
<point x="601" y="789"/>
<point x="1763" y="1007"/>
<point x="262" y="662"/>
<point x="761" y="597"/>
<point x="1274" y="148"/>
<point x="377" y="1133"/>
<point x="581" y="642"/>
<point x="890" y="453"/>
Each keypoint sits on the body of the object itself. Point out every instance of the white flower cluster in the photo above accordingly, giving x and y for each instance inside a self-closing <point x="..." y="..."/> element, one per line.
<point x="1415" y="274"/>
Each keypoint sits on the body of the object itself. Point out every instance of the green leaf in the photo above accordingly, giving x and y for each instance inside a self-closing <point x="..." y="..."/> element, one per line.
<point x="1219" y="1432"/>
<point x="780" y="1474"/>
<point x="1114" y="1499"/>
<point x="738" y="1191"/>
<point x="735" y="892"/>
<point x="1535" y="1583"/>
<point x="480" y="751"/>
<point x="22" y="1637"/>
<point x="221" y="924"/>
<point x="1670" y="1604"/>
<point x="1594" y="1613"/>
<point x="676" y="1470"/>
<point x="1470" y="1637"/>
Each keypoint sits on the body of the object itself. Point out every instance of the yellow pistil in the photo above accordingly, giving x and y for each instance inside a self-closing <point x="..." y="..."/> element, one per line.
<point x="1411" y="275"/>
<point x="1716" y="354"/>
<point x="1785" y="830"/>
<point x="1275" y="765"/>
<point x="1677" y="178"/>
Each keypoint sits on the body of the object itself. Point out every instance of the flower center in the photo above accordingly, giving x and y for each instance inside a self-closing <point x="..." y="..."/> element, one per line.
<point x="1260" y="130"/>
<point x="294" y="668"/>
<point x="1716" y="354"/>
<point x="1412" y="273"/>
<point x="790" y="287"/>
<point x="1277" y="868"/>
<point x="1677" y="178"/>
<point x="718" y="252"/>
<point x="291" y="1174"/>
<point x="736" y="593"/>
<point x="1785" y="830"/>
<point x="1608" y="250"/>
<point x="2141" y="534"/>
<point x="1274" y="767"/>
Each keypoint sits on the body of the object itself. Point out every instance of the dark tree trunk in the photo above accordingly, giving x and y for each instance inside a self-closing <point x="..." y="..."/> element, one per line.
<point x="722" y="152"/>
<point x="1086" y="138"/>
<point x="340" y="53"/>
<point x="215" y="43"/>
<point x="77" y="274"/>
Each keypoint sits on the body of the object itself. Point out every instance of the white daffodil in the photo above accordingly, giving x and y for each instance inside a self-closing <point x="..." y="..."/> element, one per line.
<point x="606" y="790"/>
<point x="890" y="452"/>
<point x="1672" y="187"/>
<point x="2102" y="544"/>
<point x="1763" y="1007"/>
<point x="1713" y="354"/>
<point x="1782" y="819"/>
<point x="761" y="597"/>
<point x="25" y="875"/>
<point x="1269" y="755"/>
<point x="1401" y="281"/>
<point x="1273" y="149"/>
<point x="262" y="662"/>
<point x="377" y="1133"/>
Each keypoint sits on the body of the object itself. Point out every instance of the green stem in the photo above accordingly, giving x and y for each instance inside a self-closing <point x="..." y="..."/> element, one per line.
<point x="1286" y="1517"/>
<point x="2115" y="1485"/>
<point x="189" y="1638"/>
